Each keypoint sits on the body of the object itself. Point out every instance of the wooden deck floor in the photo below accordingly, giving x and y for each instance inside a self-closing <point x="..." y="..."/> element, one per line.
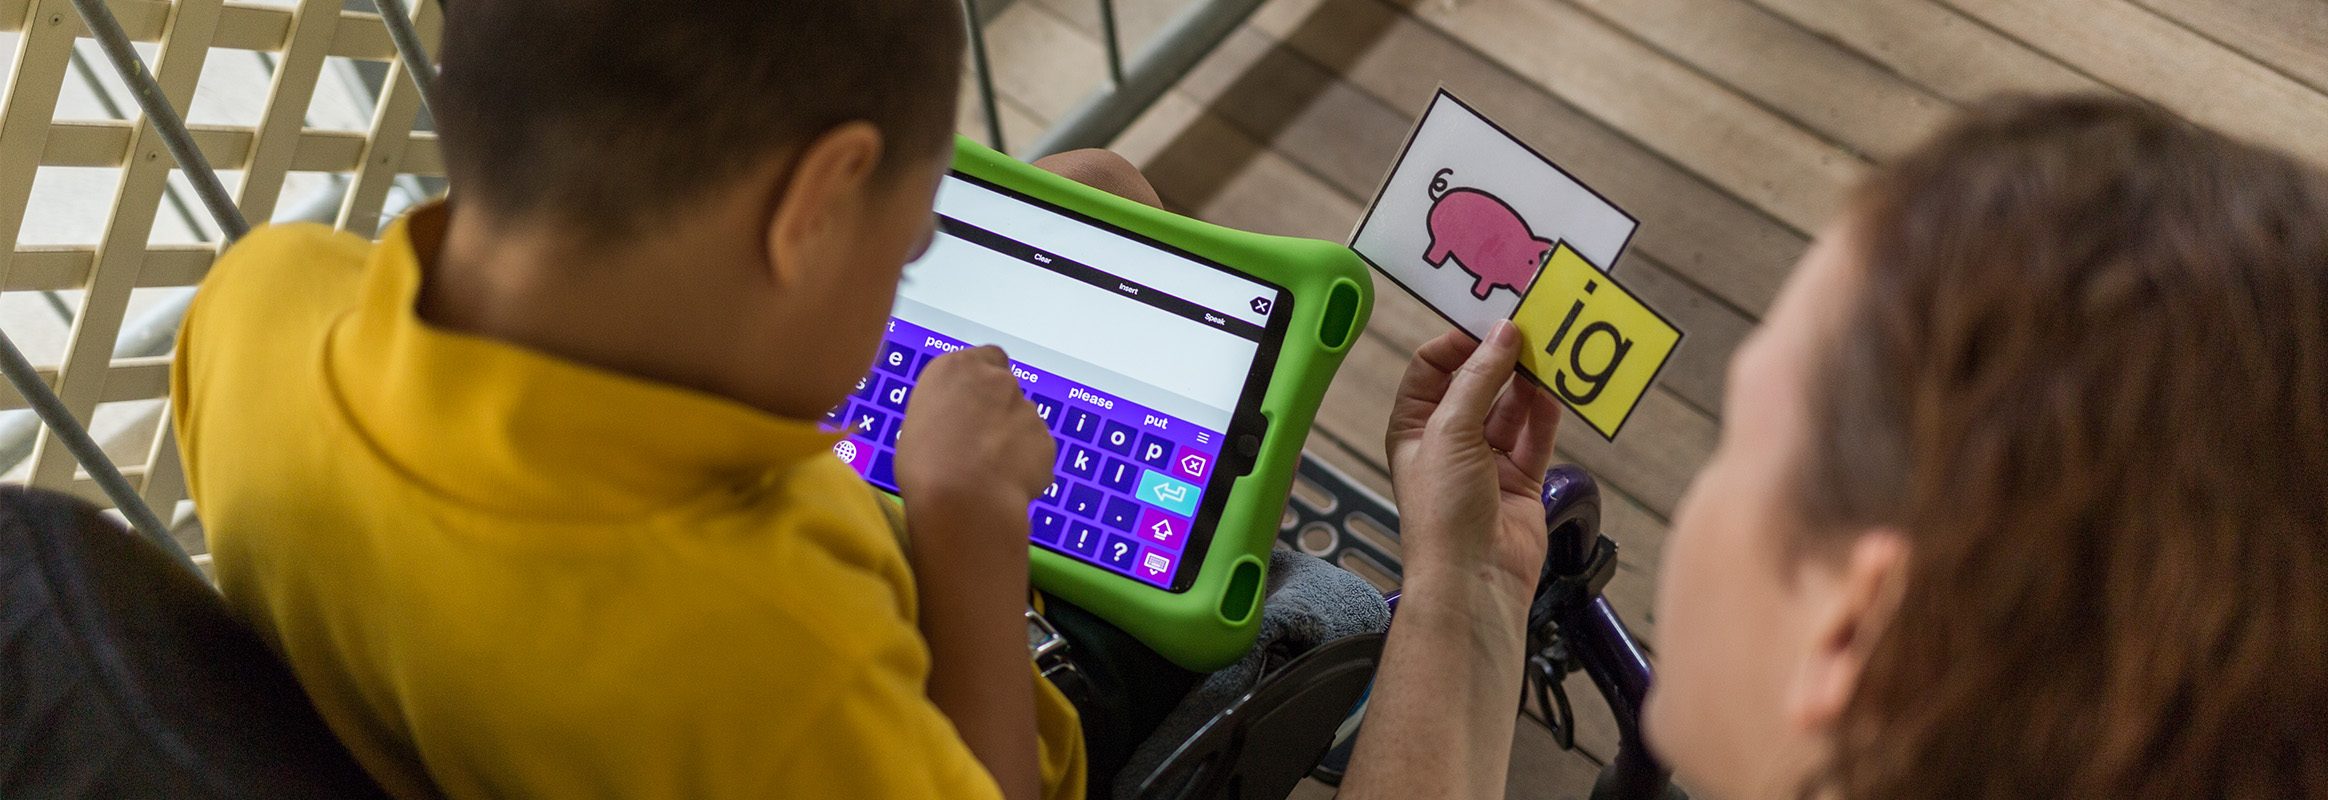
<point x="1731" y="128"/>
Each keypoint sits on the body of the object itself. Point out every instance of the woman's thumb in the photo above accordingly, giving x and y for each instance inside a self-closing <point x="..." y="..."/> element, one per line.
<point x="1475" y="385"/>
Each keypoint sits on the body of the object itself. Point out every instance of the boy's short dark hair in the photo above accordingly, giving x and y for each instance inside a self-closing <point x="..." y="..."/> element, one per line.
<point x="607" y="114"/>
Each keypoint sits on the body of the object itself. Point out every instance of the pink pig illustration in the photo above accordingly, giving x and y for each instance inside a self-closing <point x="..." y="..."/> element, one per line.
<point x="1484" y="234"/>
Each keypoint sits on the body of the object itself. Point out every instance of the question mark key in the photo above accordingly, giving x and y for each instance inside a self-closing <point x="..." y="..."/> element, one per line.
<point x="1120" y="553"/>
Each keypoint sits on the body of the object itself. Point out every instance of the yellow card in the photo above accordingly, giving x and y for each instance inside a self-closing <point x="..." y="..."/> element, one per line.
<point x="1595" y="345"/>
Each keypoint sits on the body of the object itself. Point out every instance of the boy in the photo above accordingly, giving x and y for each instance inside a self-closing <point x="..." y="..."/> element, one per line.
<point x="530" y="494"/>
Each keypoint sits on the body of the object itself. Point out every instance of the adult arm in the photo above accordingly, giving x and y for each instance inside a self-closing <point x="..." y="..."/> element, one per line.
<point x="1468" y="448"/>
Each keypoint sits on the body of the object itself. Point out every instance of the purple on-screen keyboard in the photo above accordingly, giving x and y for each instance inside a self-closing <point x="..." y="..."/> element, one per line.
<point x="1129" y="481"/>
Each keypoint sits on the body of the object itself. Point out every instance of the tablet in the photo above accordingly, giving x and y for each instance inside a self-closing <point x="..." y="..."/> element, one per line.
<point x="1147" y="364"/>
<point x="1154" y="357"/>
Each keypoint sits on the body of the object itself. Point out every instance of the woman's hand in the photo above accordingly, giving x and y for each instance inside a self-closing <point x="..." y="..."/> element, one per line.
<point x="1468" y="465"/>
<point x="1468" y="458"/>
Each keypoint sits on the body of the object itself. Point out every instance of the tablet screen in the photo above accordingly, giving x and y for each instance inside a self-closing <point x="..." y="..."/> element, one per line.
<point x="1146" y="362"/>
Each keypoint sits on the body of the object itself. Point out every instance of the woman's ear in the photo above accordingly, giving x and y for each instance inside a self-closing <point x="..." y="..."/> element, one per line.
<point x="827" y="186"/>
<point x="1850" y="603"/>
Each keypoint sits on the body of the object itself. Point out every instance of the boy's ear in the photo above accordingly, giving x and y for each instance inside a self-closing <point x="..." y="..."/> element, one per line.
<point x="826" y="188"/>
<point x="1850" y="607"/>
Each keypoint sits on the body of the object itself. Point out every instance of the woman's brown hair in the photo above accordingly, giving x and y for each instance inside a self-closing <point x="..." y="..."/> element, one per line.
<point x="2085" y="373"/>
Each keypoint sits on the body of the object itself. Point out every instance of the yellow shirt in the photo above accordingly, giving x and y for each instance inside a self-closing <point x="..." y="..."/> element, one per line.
<point x="500" y="574"/>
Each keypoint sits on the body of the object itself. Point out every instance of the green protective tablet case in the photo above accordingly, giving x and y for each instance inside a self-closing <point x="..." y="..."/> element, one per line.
<point x="1213" y="623"/>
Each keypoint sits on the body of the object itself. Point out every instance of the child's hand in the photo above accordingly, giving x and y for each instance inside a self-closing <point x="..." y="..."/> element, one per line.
<point x="971" y="438"/>
<point x="972" y="456"/>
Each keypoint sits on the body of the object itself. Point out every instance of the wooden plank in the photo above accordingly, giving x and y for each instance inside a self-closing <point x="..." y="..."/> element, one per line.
<point x="2138" y="51"/>
<point x="1734" y="250"/>
<point x="1664" y="445"/>
<point x="422" y="155"/>
<point x="1327" y="124"/>
<point x="1048" y="66"/>
<point x="165" y="475"/>
<point x="1700" y="367"/>
<point x="360" y="36"/>
<point x="276" y="142"/>
<point x="81" y="376"/>
<point x="105" y="143"/>
<point x="1540" y="769"/>
<point x="391" y="129"/>
<point x="1137" y="21"/>
<point x="1018" y="125"/>
<point x="240" y="27"/>
<point x="49" y="268"/>
<point x="1814" y="82"/>
<point x="143" y="20"/>
<point x="2288" y="35"/>
<point x="86" y="489"/>
<point x="1938" y="48"/>
<point x="1311" y="789"/>
<point x="1746" y="150"/>
<point x="137" y="379"/>
<point x="356" y="35"/>
<point x="128" y="379"/>
<point x="1217" y="173"/>
<point x="36" y="77"/>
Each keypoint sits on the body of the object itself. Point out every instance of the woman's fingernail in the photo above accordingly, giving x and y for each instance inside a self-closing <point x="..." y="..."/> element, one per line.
<point x="1503" y="334"/>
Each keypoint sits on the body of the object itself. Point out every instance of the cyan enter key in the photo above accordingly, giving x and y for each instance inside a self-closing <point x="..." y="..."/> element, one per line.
<point x="1168" y="493"/>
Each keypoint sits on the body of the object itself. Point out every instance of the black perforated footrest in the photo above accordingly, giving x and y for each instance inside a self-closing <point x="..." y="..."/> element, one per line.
<point x="1332" y="517"/>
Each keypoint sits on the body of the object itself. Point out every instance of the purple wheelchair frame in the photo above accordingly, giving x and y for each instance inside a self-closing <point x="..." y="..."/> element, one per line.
<point x="1571" y="626"/>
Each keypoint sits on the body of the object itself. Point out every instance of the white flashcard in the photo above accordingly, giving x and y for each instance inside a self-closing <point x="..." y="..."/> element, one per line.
<point x="1469" y="215"/>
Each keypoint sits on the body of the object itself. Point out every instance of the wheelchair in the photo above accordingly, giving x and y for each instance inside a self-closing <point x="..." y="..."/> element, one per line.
<point x="1294" y="724"/>
<point x="125" y="675"/>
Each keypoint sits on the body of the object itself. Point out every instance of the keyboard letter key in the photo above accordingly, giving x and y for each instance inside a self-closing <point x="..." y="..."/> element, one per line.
<point x="1118" y="438"/>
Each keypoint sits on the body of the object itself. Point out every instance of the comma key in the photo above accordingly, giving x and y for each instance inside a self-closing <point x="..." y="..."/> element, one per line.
<point x="1084" y="500"/>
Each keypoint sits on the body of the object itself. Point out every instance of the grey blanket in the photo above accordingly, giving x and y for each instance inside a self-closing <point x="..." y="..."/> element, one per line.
<point x="1309" y="603"/>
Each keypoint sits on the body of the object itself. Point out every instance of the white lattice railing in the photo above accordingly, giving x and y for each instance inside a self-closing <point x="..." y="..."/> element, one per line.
<point x="176" y="39"/>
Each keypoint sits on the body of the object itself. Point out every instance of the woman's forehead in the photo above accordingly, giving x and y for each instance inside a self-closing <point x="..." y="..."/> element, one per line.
<point x="1770" y="376"/>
